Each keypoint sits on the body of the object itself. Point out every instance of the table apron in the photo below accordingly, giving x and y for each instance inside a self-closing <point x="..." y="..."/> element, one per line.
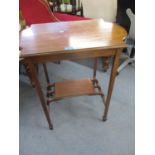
<point x="71" y="56"/>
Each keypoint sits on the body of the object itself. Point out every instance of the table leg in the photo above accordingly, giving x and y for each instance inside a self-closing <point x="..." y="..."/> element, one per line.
<point x="46" y="73"/>
<point x="40" y="93"/>
<point x="111" y="82"/>
<point x="95" y="68"/>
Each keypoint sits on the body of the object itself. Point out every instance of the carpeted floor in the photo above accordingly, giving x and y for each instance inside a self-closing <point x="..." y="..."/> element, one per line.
<point x="78" y="129"/>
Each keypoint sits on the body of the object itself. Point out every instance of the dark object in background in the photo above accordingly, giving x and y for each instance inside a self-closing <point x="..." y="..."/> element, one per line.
<point x="121" y="16"/>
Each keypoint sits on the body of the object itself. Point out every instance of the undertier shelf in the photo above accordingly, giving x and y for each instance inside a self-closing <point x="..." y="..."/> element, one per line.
<point x="72" y="88"/>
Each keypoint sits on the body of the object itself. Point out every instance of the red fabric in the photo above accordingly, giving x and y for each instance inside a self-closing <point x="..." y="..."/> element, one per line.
<point x="38" y="11"/>
<point x="35" y="11"/>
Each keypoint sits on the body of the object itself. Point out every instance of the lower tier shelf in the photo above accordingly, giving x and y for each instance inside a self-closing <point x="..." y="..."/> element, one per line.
<point x="72" y="88"/>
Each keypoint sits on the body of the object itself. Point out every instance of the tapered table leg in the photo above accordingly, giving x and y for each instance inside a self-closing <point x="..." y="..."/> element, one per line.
<point x="40" y="93"/>
<point x="111" y="82"/>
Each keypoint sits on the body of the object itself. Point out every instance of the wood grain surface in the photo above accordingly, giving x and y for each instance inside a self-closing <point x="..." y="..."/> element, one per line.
<point x="51" y="38"/>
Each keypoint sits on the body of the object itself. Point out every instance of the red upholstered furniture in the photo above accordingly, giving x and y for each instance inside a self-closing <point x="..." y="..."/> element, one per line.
<point x="38" y="11"/>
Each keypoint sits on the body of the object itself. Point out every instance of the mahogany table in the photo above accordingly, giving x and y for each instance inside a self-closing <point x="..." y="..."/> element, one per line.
<point x="42" y="43"/>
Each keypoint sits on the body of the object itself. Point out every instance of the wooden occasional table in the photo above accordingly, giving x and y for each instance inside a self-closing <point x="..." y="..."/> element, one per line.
<point x="42" y="43"/>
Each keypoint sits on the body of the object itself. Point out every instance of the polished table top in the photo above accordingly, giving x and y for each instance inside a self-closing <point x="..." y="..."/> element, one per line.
<point x="50" y="38"/>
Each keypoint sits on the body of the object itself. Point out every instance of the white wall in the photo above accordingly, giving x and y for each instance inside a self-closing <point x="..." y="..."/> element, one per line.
<point x="105" y="9"/>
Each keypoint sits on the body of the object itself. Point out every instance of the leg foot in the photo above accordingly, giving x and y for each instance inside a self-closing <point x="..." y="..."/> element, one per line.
<point x="51" y="127"/>
<point x="104" y="119"/>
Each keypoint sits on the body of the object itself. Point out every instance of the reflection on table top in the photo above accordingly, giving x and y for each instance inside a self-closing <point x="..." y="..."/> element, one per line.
<point x="48" y="38"/>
